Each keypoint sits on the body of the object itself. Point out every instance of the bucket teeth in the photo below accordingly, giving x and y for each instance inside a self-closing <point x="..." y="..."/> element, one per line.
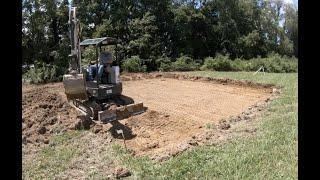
<point x="121" y="112"/>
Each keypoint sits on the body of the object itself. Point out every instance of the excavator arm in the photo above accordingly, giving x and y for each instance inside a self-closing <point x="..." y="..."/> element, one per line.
<point x="74" y="82"/>
<point x="75" y="55"/>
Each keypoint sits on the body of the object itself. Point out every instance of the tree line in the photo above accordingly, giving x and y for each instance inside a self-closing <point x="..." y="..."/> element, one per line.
<point x="153" y="29"/>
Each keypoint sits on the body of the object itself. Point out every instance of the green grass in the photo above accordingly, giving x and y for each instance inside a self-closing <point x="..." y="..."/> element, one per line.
<point x="270" y="154"/>
<point x="53" y="159"/>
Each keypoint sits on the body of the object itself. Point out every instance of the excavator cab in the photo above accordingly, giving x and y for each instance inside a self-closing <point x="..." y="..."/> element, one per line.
<point x="101" y="80"/>
<point x="104" y="80"/>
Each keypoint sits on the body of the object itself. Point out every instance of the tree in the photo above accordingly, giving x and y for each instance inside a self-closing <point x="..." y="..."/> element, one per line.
<point x="271" y="17"/>
<point x="34" y="29"/>
<point x="251" y="45"/>
<point x="142" y="36"/>
<point x="291" y="26"/>
<point x="168" y="28"/>
<point x="45" y="30"/>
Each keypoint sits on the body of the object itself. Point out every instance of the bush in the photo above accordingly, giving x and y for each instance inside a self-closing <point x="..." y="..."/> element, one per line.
<point x="240" y="65"/>
<point x="290" y="65"/>
<point x="185" y="63"/>
<point x="219" y="63"/>
<point x="272" y="63"/>
<point x="43" y="73"/>
<point x="164" y="63"/>
<point x="133" y="64"/>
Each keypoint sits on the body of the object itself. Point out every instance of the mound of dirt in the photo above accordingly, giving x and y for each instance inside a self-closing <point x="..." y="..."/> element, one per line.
<point x="44" y="112"/>
<point x="223" y="81"/>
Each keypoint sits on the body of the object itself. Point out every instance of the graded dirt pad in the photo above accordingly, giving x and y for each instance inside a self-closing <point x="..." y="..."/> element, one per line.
<point x="182" y="112"/>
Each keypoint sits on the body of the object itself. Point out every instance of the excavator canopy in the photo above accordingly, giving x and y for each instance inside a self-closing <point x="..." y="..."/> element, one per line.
<point x="99" y="41"/>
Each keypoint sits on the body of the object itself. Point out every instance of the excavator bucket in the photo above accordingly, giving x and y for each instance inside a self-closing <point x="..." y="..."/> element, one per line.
<point x="75" y="86"/>
<point x="121" y="112"/>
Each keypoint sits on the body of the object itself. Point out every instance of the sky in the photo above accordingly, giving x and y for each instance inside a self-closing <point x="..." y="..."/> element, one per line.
<point x="294" y="2"/>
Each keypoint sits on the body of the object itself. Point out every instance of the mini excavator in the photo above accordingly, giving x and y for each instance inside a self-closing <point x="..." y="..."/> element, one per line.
<point x="96" y="90"/>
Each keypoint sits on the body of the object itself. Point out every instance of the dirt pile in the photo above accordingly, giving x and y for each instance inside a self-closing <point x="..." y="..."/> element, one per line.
<point x="44" y="112"/>
<point x="223" y="81"/>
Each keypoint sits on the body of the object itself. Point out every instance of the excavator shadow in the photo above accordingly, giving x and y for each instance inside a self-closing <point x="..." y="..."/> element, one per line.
<point x="118" y="130"/>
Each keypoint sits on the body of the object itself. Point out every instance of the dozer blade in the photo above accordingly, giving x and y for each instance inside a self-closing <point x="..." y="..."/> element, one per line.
<point x="75" y="86"/>
<point x="121" y="112"/>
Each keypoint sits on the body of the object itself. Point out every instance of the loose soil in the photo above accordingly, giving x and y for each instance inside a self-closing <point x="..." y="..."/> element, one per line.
<point x="45" y="111"/>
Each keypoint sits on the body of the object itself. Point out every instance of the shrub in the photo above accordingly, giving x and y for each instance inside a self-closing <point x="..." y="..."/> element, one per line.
<point x="133" y="64"/>
<point x="240" y="65"/>
<point x="185" y="63"/>
<point x="219" y="63"/>
<point x="290" y="65"/>
<point x="164" y="63"/>
<point x="43" y="73"/>
<point x="272" y="63"/>
<point x="275" y="63"/>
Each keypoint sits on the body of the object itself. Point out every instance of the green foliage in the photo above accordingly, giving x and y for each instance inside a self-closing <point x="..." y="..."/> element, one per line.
<point x="278" y="64"/>
<point x="89" y="54"/>
<point x="164" y="63"/>
<point x="133" y="64"/>
<point x="273" y="63"/>
<point x="240" y="65"/>
<point x="185" y="63"/>
<point x="251" y="44"/>
<point x="219" y="63"/>
<point x="142" y="36"/>
<point x="104" y="29"/>
<point x="150" y="29"/>
<point x="42" y="73"/>
<point x="286" y="47"/>
<point x="291" y="26"/>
